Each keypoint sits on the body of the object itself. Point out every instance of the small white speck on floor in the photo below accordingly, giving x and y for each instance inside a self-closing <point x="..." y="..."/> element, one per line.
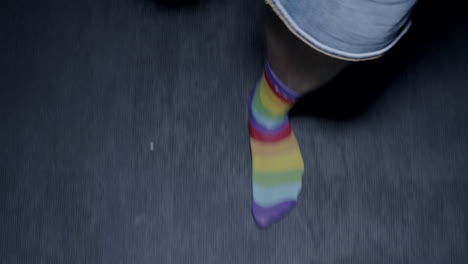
<point x="139" y="219"/>
<point x="151" y="146"/>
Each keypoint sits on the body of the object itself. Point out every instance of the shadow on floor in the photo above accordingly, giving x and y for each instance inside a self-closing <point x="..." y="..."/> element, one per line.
<point x="355" y="89"/>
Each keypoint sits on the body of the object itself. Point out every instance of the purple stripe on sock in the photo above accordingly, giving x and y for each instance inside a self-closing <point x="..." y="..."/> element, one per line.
<point x="279" y="86"/>
<point x="266" y="216"/>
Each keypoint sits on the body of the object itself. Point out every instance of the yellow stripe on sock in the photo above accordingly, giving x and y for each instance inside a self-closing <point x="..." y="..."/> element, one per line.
<point x="275" y="163"/>
<point x="275" y="178"/>
<point x="271" y="101"/>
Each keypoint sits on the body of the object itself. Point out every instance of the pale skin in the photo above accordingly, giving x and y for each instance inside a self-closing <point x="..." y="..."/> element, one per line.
<point x="299" y="66"/>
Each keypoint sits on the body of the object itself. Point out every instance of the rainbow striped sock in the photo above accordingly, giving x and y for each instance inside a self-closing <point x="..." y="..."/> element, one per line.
<point x="276" y="158"/>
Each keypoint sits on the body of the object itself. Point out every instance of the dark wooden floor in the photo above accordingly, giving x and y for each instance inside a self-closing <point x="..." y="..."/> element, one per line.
<point x="123" y="140"/>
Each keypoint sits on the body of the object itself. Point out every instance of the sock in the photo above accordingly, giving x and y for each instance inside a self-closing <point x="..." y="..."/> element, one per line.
<point x="277" y="165"/>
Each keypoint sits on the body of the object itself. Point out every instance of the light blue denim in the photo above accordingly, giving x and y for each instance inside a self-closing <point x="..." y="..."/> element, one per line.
<point x="351" y="29"/>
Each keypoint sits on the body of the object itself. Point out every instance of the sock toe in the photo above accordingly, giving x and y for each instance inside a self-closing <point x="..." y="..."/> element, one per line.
<point x="266" y="216"/>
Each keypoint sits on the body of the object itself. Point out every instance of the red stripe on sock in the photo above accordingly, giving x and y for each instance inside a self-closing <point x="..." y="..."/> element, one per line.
<point x="282" y="134"/>
<point x="271" y="86"/>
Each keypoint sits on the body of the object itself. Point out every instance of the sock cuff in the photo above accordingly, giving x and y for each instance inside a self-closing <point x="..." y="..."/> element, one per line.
<point x="288" y="93"/>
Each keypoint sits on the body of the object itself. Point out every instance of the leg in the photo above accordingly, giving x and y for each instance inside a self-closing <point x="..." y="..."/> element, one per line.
<point x="294" y="68"/>
<point x="277" y="166"/>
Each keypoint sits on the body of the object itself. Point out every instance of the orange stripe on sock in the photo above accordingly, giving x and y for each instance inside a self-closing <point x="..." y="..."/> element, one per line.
<point x="271" y="101"/>
<point x="271" y="85"/>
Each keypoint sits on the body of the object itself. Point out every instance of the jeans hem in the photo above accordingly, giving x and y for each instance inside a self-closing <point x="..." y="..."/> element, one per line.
<point x="323" y="47"/>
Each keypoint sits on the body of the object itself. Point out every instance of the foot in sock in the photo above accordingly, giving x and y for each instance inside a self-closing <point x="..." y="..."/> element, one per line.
<point x="277" y="165"/>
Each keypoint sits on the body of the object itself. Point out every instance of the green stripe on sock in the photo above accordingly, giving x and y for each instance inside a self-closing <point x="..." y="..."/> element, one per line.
<point x="257" y="103"/>
<point x="272" y="178"/>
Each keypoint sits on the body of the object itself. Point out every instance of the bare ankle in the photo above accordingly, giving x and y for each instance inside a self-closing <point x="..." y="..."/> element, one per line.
<point x="299" y="66"/>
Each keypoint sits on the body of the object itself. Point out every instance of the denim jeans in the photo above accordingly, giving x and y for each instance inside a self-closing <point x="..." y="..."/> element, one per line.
<point x="347" y="29"/>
